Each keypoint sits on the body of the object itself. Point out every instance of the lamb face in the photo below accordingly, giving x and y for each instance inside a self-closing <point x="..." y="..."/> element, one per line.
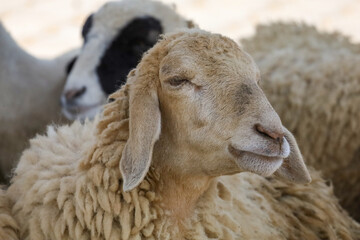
<point x="114" y="40"/>
<point x="203" y="102"/>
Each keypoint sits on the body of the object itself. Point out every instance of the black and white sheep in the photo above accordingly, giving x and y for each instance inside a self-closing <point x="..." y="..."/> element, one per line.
<point x="115" y="37"/>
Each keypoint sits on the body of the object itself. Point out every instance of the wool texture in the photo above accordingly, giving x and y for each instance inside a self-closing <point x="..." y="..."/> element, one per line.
<point x="8" y="225"/>
<point x="81" y="198"/>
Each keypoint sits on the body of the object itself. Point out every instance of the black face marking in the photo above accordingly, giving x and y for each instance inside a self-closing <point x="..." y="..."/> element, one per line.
<point x="70" y="66"/>
<point x="242" y="97"/>
<point x="126" y="50"/>
<point x="86" y="27"/>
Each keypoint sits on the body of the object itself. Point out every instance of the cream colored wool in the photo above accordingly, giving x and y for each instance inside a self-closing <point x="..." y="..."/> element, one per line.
<point x="248" y="206"/>
<point x="68" y="186"/>
<point x="8" y="226"/>
<point x="313" y="81"/>
<point x="64" y="203"/>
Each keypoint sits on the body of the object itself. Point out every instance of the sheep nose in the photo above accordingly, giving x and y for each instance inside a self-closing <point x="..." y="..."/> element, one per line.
<point x="74" y="93"/>
<point x="271" y="133"/>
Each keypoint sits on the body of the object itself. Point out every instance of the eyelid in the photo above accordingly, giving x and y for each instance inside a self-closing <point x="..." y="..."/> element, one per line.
<point x="179" y="77"/>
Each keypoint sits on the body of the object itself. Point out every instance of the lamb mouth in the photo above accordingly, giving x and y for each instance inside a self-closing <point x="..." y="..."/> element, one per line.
<point x="256" y="163"/>
<point x="239" y="153"/>
<point x="78" y="111"/>
<point x="81" y="108"/>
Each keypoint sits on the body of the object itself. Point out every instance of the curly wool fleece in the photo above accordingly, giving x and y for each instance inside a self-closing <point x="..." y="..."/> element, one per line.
<point x="82" y="198"/>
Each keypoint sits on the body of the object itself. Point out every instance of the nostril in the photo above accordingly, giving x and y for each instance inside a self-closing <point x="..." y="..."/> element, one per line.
<point x="276" y="135"/>
<point x="74" y="93"/>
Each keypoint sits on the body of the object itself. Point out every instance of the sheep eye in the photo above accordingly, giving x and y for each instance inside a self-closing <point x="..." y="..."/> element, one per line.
<point x="175" y="82"/>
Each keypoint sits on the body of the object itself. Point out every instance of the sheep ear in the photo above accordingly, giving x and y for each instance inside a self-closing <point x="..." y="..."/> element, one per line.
<point x="144" y="127"/>
<point x="293" y="168"/>
<point x="87" y="26"/>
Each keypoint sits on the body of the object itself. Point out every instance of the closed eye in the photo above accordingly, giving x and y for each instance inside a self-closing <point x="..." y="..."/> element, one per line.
<point x="176" y="82"/>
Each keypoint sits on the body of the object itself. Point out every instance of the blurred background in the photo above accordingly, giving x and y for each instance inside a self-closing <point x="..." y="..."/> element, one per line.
<point x="47" y="28"/>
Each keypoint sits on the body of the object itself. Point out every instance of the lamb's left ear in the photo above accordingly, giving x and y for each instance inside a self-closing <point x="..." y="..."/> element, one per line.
<point x="293" y="168"/>
<point x="144" y="127"/>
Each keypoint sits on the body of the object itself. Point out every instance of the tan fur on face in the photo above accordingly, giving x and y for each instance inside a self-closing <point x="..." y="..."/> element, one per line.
<point x="217" y="107"/>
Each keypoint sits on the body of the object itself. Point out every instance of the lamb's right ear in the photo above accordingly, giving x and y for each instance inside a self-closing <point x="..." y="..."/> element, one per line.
<point x="293" y="168"/>
<point x="144" y="127"/>
<point x="87" y="26"/>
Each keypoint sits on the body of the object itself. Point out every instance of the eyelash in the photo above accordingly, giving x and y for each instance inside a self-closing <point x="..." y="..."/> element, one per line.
<point x="175" y="82"/>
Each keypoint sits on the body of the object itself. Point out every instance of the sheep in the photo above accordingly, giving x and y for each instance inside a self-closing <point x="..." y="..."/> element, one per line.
<point x="115" y="37"/>
<point x="152" y="165"/>
<point x="313" y="81"/>
<point x="30" y="89"/>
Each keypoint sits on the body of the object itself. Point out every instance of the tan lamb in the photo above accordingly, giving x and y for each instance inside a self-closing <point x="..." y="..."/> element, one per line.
<point x="153" y="165"/>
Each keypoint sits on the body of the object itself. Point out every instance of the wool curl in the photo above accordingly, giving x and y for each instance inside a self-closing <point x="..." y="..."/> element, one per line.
<point x="8" y="225"/>
<point x="312" y="79"/>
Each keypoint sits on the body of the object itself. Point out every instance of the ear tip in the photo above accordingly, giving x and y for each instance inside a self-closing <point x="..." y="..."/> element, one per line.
<point x="300" y="178"/>
<point x="304" y="177"/>
<point x="130" y="185"/>
<point x="127" y="187"/>
<point x="307" y="178"/>
<point x="303" y="180"/>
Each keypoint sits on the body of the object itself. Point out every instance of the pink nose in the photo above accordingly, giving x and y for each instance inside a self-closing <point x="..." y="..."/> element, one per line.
<point x="271" y="133"/>
<point x="74" y="93"/>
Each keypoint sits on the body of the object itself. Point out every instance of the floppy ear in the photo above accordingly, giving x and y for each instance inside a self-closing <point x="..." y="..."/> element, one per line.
<point x="293" y="168"/>
<point x="87" y="26"/>
<point x="144" y="127"/>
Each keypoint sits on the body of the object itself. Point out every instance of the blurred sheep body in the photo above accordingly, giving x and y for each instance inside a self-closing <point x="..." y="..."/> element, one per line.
<point x="115" y="38"/>
<point x="120" y="177"/>
<point x="313" y="81"/>
<point x="29" y="94"/>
